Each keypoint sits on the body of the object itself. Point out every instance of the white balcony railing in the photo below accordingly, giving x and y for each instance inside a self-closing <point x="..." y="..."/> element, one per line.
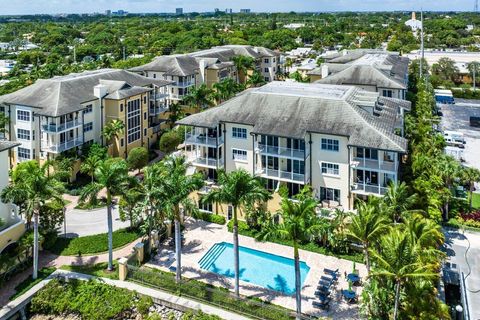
<point x="282" y="151"/>
<point x="206" y="162"/>
<point x="153" y="111"/>
<point x="279" y="174"/>
<point x="369" y="188"/>
<point x="203" y="139"/>
<point x="159" y="96"/>
<point x="374" y="164"/>
<point x="183" y="84"/>
<point x="54" y="127"/>
<point x="57" y="148"/>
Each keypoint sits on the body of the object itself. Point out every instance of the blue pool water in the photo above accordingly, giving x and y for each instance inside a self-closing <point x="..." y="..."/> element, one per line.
<point x="257" y="267"/>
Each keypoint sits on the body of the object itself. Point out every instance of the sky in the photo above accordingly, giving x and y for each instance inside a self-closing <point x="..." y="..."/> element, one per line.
<point x="143" y="6"/>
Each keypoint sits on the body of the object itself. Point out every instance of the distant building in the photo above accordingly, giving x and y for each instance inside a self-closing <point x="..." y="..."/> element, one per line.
<point x="228" y="10"/>
<point x="120" y="13"/>
<point x="108" y="12"/>
<point x="179" y="11"/>
<point x="294" y="26"/>
<point x="216" y="10"/>
<point x="6" y="66"/>
<point x="245" y="10"/>
<point x="414" y="24"/>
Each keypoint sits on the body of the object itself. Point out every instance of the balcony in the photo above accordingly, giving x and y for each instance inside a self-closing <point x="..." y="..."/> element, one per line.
<point x="55" y="128"/>
<point x="363" y="188"/>
<point x="281" y="175"/>
<point x="202" y="139"/>
<point x="282" y="152"/>
<point x="159" y="96"/>
<point x="154" y="111"/>
<point x="57" y="148"/>
<point x="184" y="84"/>
<point x="373" y="164"/>
<point x="206" y="162"/>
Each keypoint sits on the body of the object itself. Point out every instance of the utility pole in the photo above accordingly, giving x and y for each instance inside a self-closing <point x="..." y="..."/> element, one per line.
<point x="421" y="45"/>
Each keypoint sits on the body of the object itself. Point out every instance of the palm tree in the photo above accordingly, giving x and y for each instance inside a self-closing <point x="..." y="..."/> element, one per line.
<point x="470" y="176"/>
<point x="238" y="189"/>
<point x="200" y="97"/>
<point x="226" y="89"/>
<point x="4" y="120"/>
<point x="175" y="113"/>
<point x="397" y="200"/>
<point x="176" y="188"/>
<point x="89" y="165"/>
<point x="111" y="175"/>
<point x="288" y="64"/>
<point x="366" y="227"/>
<point x="256" y="80"/>
<point x="113" y="130"/>
<point x="399" y="260"/>
<point x="299" y="223"/>
<point x="450" y="170"/>
<point x="32" y="186"/>
<point x="243" y="64"/>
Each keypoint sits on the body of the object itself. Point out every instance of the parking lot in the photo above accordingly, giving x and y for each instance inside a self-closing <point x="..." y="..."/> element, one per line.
<point x="456" y="117"/>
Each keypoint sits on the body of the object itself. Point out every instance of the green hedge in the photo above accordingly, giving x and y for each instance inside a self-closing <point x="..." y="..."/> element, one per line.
<point x="97" y="270"/>
<point x="91" y="300"/>
<point x="93" y="244"/>
<point x="28" y="283"/>
<point x="458" y="223"/>
<point x="244" y="230"/>
<point x="207" y="293"/>
<point x="214" y="218"/>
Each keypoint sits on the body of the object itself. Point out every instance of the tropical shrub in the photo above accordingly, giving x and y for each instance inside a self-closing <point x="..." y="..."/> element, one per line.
<point x="214" y="218"/>
<point x="137" y="158"/>
<point x="169" y="141"/>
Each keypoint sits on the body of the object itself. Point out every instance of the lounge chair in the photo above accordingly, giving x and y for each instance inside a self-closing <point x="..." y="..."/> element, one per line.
<point x="324" y="305"/>
<point x="331" y="272"/>
<point x="321" y="294"/>
<point x="329" y="279"/>
<point x="323" y="288"/>
<point x="325" y="283"/>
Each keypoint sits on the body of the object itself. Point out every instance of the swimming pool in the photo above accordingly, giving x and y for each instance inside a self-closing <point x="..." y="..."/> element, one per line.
<point x="257" y="267"/>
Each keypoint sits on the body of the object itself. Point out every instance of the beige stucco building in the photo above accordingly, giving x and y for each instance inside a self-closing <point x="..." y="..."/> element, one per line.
<point x="340" y="140"/>
<point x="64" y="113"/>
<point x="12" y="226"/>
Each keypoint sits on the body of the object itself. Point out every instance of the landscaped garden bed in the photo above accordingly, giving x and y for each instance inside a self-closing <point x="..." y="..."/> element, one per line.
<point x="93" y="244"/>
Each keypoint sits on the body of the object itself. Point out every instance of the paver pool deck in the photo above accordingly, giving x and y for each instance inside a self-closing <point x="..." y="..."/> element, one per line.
<point x="201" y="236"/>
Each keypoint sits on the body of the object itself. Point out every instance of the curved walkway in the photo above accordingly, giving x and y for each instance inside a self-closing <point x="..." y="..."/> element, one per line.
<point x="48" y="259"/>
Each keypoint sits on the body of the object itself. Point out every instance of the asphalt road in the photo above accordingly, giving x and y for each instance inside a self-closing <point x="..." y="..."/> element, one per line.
<point x="88" y="222"/>
<point x="463" y="249"/>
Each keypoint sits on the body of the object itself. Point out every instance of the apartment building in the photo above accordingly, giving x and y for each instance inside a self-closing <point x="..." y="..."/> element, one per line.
<point x="372" y="70"/>
<point x="339" y="139"/>
<point x="12" y="226"/>
<point x="63" y="113"/>
<point x="208" y="67"/>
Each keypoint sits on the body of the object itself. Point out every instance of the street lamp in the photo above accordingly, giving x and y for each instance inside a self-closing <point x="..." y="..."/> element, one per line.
<point x="64" y="222"/>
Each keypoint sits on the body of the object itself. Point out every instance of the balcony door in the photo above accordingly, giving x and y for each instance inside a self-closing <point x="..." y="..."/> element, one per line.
<point x="296" y="166"/>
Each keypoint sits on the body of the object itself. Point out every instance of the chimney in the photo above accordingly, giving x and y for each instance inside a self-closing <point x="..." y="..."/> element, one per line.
<point x="324" y="71"/>
<point x="100" y="91"/>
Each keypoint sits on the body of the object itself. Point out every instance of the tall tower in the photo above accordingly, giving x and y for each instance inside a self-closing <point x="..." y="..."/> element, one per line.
<point x="475" y="6"/>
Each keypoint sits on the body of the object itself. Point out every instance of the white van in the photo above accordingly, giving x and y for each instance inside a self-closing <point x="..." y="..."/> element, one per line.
<point x="454" y="138"/>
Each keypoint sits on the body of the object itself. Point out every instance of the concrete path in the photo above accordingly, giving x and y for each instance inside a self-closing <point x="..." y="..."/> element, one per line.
<point x="463" y="249"/>
<point x="51" y="260"/>
<point x="170" y="299"/>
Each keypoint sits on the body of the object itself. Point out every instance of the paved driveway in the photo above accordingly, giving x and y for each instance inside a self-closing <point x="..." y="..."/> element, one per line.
<point x="88" y="222"/>
<point x="463" y="249"/>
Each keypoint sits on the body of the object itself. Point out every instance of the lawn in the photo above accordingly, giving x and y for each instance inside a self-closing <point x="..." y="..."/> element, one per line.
<point x="93" y="244"/>
<point x="97" y="270"/>
<point x="28" y="283"/>
<point x="476" y="200"/>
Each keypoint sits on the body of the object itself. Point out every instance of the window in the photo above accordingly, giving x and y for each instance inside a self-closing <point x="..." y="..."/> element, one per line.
<point x="387" y="93"/>
<point x="88" y="109"/>
<point x="154" y="76"/>
<point x="23" y="153"/>
<point x="144" y="99"/>
<point x="88" y="127"/>
<point x="239" y="154"/>
<point x="122" y="143"/>
<point x="205" y="206"/>
<point x="134" y="119"/>
<point x="273" y="59"/>
<point x="267" y="79"/>
<point x="367" y="153"/>
<point x="144" y="116"/>
<point x="23" y="115"/>
<point x="23" y="134"/>
<point x="266" y="70"/>
<point x="145" y="132"/>
<point x="266" y="60"/>
<point x="239" y="133"/>
<point x="121" y="107"/>
<point x="329" y="194"/>
<point x="329" y="144"/>
<point x="330" y="168"/>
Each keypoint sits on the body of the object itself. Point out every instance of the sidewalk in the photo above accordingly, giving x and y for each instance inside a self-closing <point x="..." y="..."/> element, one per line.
<point x="168" y="298"/>
<point x="52" y="260"/>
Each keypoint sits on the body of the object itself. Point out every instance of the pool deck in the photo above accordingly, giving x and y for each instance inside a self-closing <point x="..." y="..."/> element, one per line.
<point x="201" y="236"/>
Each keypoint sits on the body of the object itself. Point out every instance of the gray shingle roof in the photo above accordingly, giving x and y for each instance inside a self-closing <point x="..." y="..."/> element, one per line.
<point x="174" y="65"/>
<point x="127" y="92"/>
<point x="6" y="145"/>
<point x="65" y="94"/>
<point x="293" y="109"/>
<point x="363" y="75"/>
<point x="222" y="54"/>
